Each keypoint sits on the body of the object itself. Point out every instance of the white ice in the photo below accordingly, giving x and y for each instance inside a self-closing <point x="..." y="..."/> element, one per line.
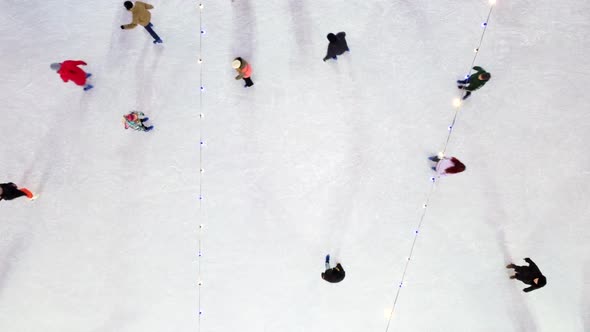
<point x="316" y="158"/>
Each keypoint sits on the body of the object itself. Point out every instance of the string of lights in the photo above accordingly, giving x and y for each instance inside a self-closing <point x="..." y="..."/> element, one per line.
<point x="201" y="170"/>
<point x="457" y="104"/>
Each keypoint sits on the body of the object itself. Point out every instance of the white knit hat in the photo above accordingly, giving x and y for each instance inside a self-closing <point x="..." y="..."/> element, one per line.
<point x="236" y="64"/>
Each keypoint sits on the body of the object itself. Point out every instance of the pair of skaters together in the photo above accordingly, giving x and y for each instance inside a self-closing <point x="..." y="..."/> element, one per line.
<point x="69" y="70"/>
<point x="530" y="275"/>
<point x="336" y="47"/>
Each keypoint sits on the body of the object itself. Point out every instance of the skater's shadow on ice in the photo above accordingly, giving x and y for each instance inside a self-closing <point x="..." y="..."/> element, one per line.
<point x="586" y="297"/>
<point x="518" y="308"/>
<point x="117" y="321"/>
<point x="50" y="153"/>
<point x="300" y="24"/>
<point x="243" y="30"/>
<point x="144" y="70"/>
<point x="8" y="258"/>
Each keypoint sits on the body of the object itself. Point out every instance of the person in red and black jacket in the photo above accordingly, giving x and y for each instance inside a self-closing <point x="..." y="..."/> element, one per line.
<point x="530" y="275"/>
<point x="9" y="191"/>
<point x="69" y="71"/>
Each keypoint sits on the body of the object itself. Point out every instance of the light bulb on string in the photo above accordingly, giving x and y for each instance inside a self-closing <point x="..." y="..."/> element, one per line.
<point x="492" y="2"/>
<point x="484" y="24"/>
<point x="457" y="102"/>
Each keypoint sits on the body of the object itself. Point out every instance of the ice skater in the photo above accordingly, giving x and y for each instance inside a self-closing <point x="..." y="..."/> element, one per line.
<point x="136" y="121"/>
<point x="530" y="275"/>
<point x="474" y="81"/>
<point x="69" y="71"/>
<point x="337" y="45"/>
<point x="141" y="16"/>
<point x="333" y="275"/>
<point x="9" y="191"/>
<point x="244" y="71"/>
<point x="446" y="165"/>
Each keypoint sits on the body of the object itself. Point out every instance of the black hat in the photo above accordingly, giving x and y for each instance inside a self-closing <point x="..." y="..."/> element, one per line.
<point x="128" y="4"/>
<point x="332" y="38"/>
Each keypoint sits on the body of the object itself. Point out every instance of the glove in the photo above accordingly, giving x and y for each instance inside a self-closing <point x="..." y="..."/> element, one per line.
<point x="528" y="260"/>
<point x="122" y="27"/>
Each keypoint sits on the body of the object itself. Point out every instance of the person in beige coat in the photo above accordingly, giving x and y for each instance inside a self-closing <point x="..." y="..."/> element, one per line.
<point x="141" y="16"/>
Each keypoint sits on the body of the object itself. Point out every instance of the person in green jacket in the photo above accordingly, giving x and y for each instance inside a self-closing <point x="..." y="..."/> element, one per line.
<point x="474" y="81"/>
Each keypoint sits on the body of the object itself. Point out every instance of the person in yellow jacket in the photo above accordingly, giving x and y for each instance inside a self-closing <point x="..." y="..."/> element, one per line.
<point x="141" y="16"/>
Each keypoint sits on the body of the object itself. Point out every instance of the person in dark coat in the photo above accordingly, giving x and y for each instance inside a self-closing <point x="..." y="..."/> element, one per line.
<point x="9" y="191"/>
<point x="530" y="275"/>
<point x="474" y="81"/>
<point x="337" y="45"/>
<point x="333" y="275"/>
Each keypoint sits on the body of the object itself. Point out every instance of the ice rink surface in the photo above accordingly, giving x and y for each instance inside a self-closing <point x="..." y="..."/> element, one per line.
<point x="316" y="158"/>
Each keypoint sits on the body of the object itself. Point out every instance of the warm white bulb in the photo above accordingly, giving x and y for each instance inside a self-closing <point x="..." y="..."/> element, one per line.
<point x="456" y="102"/>
<point x="492" y="2"/>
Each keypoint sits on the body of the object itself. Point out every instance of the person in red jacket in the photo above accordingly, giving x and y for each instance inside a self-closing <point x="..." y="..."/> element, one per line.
<point x="69" y="71"/>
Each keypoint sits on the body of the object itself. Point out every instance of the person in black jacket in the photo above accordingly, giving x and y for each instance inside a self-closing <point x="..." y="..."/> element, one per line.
<point x="9" y="191"/>
<point x="337" y="45"/>
<point x="333" y="275"/>
<point x="530" y="275"/>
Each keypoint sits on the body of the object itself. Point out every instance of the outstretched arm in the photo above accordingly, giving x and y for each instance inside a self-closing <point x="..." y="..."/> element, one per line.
<point x="148" y="6"/>
<point x="530" y="288"/>
<point x="78" y="62"/>
<point x="478" y="69"/>
<point x="532" y="265"/>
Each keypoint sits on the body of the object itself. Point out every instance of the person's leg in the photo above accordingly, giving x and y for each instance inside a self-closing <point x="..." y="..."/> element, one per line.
<point x="467" y="94"/>
<point x="88" y="75"/>
<point x="465" y="81"/>
<point x="248" y="81"/>
<point x="152" y="33"/>
<point x="88" y="87"/>
<point x="144" y="119"/>
<point x="436" y="159"/>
